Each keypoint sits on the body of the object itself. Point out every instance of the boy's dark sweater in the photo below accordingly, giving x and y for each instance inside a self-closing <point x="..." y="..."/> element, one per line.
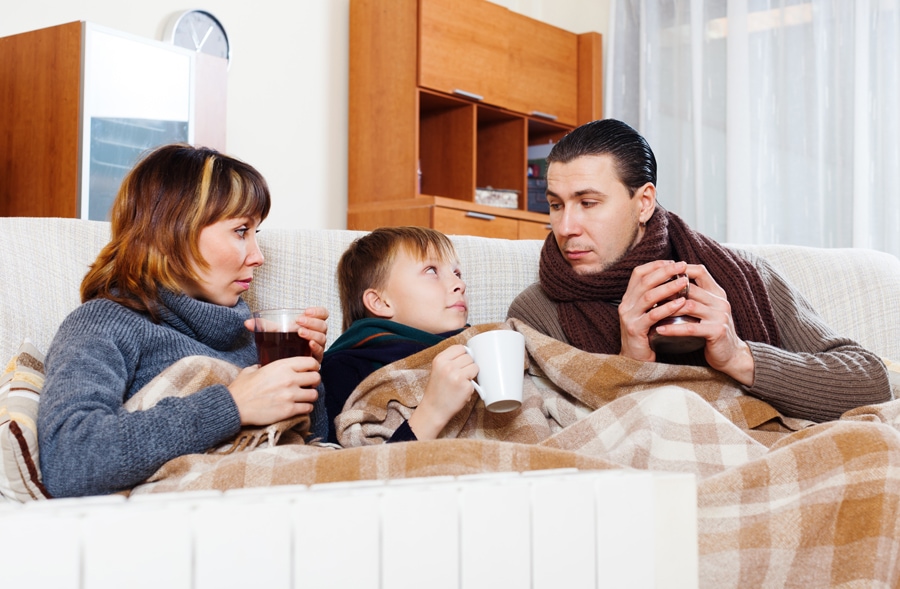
<point x="366" y="346"/>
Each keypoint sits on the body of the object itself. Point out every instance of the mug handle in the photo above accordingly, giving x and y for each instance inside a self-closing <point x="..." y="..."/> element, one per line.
<point x="477" y="386"/>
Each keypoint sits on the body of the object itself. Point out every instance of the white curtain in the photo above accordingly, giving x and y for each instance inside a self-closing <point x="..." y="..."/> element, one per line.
<point x="772" y="121"/>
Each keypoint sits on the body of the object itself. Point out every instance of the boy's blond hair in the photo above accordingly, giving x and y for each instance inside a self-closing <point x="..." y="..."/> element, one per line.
<point x="367" y="262"/>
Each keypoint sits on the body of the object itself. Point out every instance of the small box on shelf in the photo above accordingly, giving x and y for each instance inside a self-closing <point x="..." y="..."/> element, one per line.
<point x="507" y="199"/>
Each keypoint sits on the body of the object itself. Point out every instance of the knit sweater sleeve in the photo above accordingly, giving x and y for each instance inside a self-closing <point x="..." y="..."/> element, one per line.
<point x="89" y="444"/>
<point x="534" y="308"/>
<point x="816" y="374"/>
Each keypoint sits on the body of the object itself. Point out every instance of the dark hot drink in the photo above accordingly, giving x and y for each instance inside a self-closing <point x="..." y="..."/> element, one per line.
<point x="275" y="345"/>
<point x="675" y="344"/>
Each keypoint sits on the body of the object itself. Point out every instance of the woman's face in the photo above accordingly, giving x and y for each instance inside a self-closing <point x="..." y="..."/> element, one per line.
<point x="231" y="253"/>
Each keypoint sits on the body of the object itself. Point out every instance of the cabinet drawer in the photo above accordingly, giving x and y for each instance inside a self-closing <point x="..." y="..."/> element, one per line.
<point x="533" y="230"/>
<point x="457" y="222"/>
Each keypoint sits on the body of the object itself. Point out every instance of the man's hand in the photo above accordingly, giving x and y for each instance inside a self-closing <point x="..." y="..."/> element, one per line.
<point x="640" y="309"/>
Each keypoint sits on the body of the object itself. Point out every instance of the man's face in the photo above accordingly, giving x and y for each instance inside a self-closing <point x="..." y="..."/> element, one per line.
<point x="594" y="218"/>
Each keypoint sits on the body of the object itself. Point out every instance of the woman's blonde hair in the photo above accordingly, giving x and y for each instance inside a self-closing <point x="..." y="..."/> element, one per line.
<point x="164" y="203"/>
<point x="367" y="262"/>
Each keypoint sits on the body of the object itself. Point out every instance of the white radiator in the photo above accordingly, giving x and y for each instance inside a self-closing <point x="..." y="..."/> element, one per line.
<point x="545" y="529"/>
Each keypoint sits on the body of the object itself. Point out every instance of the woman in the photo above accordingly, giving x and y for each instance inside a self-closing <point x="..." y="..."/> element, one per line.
<point x="167" y="286"/>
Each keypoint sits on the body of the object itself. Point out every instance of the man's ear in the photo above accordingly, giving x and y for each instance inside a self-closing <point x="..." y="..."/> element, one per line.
<point x="376" y="305"/>
<point x="646" y="195"/>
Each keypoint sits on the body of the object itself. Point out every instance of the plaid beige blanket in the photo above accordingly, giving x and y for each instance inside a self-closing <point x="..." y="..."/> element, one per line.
<point x="781" y="502"/>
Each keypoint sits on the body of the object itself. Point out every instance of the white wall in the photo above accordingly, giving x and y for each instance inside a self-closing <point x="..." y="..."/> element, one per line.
<point x="287" y="85"/>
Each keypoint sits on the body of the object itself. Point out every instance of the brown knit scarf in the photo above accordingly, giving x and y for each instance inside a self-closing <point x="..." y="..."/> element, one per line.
<point x="587" y="305"/>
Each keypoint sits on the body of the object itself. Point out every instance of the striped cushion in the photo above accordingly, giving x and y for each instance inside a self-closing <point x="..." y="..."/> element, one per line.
<point x="20" y="387"/>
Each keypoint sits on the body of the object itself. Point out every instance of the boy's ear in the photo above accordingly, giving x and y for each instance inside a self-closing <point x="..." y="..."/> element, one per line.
<point x="376" y="305"/>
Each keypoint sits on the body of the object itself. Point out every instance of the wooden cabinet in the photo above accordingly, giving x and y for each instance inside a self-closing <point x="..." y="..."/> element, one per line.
<point x="543" y="65"/>
<point x="445" y="97"/>
<point x="464" y="48"/>
<point x="479" y="50"/>
<point x="460" y="222"/>
<point x="453" y="217"/>
<point x="79" y="105"/>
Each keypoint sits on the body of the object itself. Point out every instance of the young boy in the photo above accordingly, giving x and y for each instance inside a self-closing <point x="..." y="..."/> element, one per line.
<point x="401" y="292"/>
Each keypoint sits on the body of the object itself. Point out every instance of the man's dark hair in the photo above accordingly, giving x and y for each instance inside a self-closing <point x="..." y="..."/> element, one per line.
<point x="634" y="160"/>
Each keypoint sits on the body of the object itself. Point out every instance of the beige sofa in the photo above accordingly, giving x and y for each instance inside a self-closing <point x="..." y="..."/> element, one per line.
<point x="43" y="261"/>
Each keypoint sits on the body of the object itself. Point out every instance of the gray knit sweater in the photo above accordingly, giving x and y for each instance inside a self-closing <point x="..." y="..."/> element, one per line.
<point x="815" y="374"/>
<point x="103" y="354"/>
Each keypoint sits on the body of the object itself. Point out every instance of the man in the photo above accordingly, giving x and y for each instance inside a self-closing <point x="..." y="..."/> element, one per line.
<point x="606" y="274"/>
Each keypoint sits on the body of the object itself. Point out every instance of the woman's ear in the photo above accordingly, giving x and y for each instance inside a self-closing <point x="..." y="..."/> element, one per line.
<point x="376" y="305"/>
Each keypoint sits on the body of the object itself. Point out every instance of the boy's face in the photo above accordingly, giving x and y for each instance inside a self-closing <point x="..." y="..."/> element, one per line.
<point x="426" y="294"/>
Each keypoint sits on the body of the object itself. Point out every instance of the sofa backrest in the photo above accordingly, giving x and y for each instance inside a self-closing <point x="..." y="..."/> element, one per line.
<point x="42" y="262"/>
<point x="856" y="290"/>
<point x="300" y="270"/>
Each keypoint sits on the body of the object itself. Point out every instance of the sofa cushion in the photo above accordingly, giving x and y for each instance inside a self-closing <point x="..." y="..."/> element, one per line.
<point x="20" y="389"/>
<point x="855" y="290"/>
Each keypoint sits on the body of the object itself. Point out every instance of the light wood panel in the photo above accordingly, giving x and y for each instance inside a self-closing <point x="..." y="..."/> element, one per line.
<point x="543" y="70"/>
<point x="383" y="126"/>
<point x="501" y="151"/>
<point x="455" y="222"/>
<point x="40" y="81"/>
<point x="464" y="45"/>
<point x="532" y="230"/>
<point x="391" y="216"/>
<point x="590" y="77"/>
<point x="447" y="146"/>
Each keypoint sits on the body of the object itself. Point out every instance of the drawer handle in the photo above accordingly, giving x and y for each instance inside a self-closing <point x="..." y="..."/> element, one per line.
<point x="484" y="216"/>
<point x="471" y="95"/>
<point x="548" y="227"/>
<point x="543" y="115"/>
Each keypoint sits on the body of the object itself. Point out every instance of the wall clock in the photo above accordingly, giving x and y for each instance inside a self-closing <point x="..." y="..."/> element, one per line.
<point x="199" y="31"/>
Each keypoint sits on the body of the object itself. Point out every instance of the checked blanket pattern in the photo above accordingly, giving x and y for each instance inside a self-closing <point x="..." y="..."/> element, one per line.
<point x="781" y="502"/>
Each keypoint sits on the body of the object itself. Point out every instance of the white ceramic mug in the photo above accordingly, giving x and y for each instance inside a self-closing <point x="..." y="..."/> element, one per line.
<point x="500" y="356"/>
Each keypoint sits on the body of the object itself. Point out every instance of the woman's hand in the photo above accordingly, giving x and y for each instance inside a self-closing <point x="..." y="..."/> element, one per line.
<point x="277" y="391"/>
<point x="313" y="326"/>
<point x="448" y="390"/>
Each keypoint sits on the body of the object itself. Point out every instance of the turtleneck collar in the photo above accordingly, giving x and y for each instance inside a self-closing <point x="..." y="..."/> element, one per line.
<point x="218" y="327"/>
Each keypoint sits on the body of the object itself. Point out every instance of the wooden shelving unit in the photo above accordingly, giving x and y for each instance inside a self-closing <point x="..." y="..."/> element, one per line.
<point x="458" y="89"/>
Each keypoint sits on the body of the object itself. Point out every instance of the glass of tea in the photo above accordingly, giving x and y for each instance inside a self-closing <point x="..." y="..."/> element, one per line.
<point x="276" y="335"/>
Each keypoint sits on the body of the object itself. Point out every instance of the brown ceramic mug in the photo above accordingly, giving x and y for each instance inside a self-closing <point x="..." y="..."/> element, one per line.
<point x="668" y="344"/>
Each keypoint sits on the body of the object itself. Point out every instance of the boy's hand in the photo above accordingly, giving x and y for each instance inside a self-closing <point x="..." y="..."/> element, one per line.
<point x="448" y="390"/>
